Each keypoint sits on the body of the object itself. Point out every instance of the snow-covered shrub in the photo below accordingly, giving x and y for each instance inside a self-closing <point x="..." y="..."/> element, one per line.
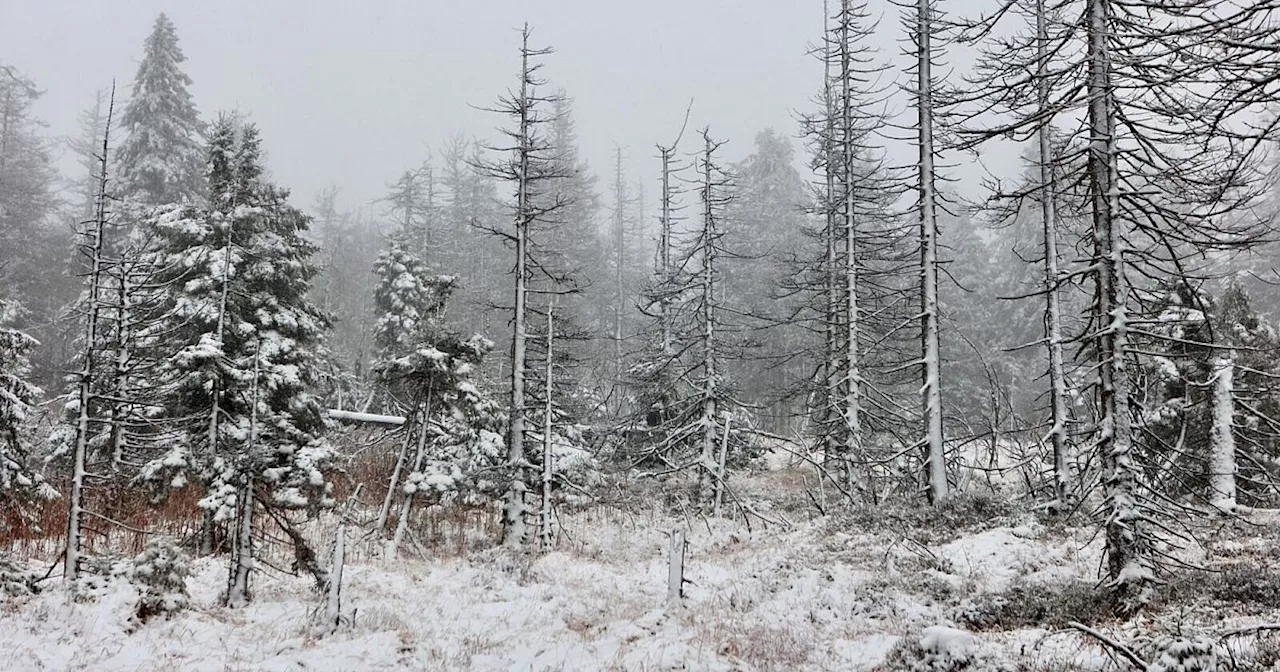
<point x="1184" y="653"/>
<point x="19" y="484"/>
<point x="1025" y="604"/>
<point x="970" y="510"/>
<point x="940" y="649"/>
<point x="960" y="513"/>
<point x="1251" y="585"/>
<point x="98" y="573"/>
<point x="16" y="580"/>
<point x="160" y="572"/>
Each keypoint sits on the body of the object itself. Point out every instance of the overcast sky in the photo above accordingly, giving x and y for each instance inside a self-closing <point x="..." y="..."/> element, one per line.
<point x="351" y="93"/>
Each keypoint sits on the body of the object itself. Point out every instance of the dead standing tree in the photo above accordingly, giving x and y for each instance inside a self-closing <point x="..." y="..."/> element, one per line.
<point x="852" y="282"/>
<point x="92" y="246"/>
<point x="530" y="166"/>
<point x="1168" y="170"/>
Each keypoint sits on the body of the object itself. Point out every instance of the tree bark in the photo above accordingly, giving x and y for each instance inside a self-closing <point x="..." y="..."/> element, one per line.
<point x="931" y="394"/>
<point x="1222" y="447"/>
<point x="1061" y="450"/>
<point x="1129" y="565"/>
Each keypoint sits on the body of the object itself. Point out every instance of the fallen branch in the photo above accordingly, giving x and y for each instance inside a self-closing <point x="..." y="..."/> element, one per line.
<point x="371" y="418"/>
<point x="1112" y="644"/>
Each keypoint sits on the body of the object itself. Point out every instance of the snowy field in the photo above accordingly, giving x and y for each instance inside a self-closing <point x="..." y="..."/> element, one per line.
<point x="833" y="593"/>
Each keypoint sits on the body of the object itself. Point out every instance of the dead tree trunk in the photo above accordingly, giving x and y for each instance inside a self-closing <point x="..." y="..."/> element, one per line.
<point x="85" y="394"/>
<point x="931" y="393"/>
<point x="1061" y="450"/>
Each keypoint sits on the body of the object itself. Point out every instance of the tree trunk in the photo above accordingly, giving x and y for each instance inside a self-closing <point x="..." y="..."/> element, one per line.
<point x="1061" y="450"/>
<point x="832" y="364"/>
<point x="931" y="394"/>
<point x="722" y="472"/>
<point x="544" y="515"/>
<point x="707" y="458"/>
<point x="385" y="510"/>
<point x="238" y="591"/>
<point x="852" y="375"/>
<point x="75" y="503"/>
<point x="1222" y="446"/>
<point x="1129" y="564"/>
<point x="620" y="251"/>
<point x="514" y="527"/>
<point x="242" y="560"/>
<point x="406" y="506"/>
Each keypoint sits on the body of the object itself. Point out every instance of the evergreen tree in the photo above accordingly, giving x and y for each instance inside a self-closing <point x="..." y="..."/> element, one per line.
<point x="160" y="160"/>
<point x="768" y="212"/>
<point x="455" y="428"/>
<point x="244" y="343"/>
<point x="1206" y="428"/>
<point x="406" y="296"/>
<point x="18" y="484"/>
<point x="33" y="251"/>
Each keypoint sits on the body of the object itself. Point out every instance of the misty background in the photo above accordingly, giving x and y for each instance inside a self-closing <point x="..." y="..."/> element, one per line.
<point x="350" y="94"/>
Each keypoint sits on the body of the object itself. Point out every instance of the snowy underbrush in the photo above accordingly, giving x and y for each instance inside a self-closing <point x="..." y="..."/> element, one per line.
<point x="958" y="515"/>
<point x="836" y="593"/>
<point x="17" y="580"/>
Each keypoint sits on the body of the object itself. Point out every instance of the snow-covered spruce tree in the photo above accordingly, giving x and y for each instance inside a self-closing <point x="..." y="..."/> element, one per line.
<point x="244" y="343"/>
<point x="690" y="423"/>
<point x="1168" y="172"/>
<point x="454" y="429"/>
<point x="653" y="376"/>
<point x="404" y="298"/>
<point x="708" y="315"/>
<point x="160" y="572"/>
<point x="532" y="168"/>
<point x="1207" y="425"/>
<point x="18" y="483"/>
<point x="157" y="163"/>
<point x="160" y="160"/>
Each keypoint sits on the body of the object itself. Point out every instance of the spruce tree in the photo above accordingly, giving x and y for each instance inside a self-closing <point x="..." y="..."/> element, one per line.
<point x="454" y="428"/>
<point x="33" y="253"/>
<point x="769" y="211"/>
<point x="160" y="159"/>
<point x="18" y="483"/>
<point x="243" y="342"/>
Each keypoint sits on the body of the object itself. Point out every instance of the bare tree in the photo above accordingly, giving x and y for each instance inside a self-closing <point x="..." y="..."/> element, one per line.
<point x="922" y="33"/>
<point x="530" y="166"/>
<point x="92" y="247"/>
<point x="1167" y="170"/>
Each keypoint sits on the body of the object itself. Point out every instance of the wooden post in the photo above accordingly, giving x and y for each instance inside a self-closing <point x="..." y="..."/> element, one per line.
<point x="675" y="568"/>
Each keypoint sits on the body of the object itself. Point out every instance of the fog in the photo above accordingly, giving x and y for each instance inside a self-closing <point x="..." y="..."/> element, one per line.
<point x="352" y="93"/>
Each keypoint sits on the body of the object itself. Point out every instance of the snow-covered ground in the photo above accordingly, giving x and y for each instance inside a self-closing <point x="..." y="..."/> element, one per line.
<point x="825" y="594"/>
